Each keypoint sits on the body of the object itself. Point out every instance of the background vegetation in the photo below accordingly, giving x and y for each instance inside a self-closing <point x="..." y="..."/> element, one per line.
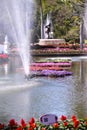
<point x="66" y="17"/>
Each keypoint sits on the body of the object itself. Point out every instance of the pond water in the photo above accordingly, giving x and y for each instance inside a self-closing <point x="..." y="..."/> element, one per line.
<point x="61" y="96"/>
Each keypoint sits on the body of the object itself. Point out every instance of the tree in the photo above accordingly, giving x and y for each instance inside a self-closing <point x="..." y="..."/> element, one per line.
<point x="78" y="9"/>
<point x="65" y="17"/>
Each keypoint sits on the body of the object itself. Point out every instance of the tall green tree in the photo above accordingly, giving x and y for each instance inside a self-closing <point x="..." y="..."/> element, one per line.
<point x="78" y="9"/>
<point x="67" y="16"/>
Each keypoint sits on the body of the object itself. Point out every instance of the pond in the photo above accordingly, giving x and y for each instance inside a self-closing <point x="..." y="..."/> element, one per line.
<point x="41" y="95"/>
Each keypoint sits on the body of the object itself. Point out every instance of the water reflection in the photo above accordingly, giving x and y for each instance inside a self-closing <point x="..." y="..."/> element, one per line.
<point x="80" y="83"/>
<point x="39" y="96"/>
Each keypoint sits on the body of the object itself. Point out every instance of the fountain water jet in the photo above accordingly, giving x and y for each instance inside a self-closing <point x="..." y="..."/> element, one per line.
<point x="21" y="20"/>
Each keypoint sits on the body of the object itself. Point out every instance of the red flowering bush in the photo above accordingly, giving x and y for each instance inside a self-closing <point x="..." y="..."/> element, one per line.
<point x="62" y="124"/>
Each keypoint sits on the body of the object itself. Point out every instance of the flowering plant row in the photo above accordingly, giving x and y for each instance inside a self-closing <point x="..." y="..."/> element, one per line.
<point x="51" y="64"/>
<point x="62" y="124"/>
<point x="52" y="73"/>
<point x="59" y="51"/>
<point x="55" y="73"/>
<point x="40" y="68"/>
<point x="54" y="60"/>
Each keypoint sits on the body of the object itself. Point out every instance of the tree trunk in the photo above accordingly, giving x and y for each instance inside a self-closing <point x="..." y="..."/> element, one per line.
<point x="42" y="25"/>
<point x="81" y="35"/>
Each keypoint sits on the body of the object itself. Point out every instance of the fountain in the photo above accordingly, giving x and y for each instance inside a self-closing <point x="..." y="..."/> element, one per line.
<point x="20" y="14"/>
<point x="6" y="45"/>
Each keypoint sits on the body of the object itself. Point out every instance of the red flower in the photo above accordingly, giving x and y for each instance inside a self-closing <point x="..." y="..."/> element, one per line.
<point x="1" y="126"/>
<point x="19" y="128"/>
<point x="33" y="125"/>
<point x="31" y="121"/>
<point x="65" y="123"/>
<point x="85" y="122"/>
<point x="23" y="123"/>
<point x="76" y="123"/>
<point x="12" y="122"/>
<point x="43" y="128"/>
<point x="30" y="128"/>
<point x="73" y="117"/>
<point x="63" y="117"/>
<point x="55" y="125"/>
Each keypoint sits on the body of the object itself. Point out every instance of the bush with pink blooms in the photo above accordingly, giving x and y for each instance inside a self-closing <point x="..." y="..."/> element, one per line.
<point x="62" y="48"/>
<point x="62" y="124"/>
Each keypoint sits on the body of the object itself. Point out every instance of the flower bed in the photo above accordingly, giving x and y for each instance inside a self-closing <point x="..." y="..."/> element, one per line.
<point x="50" y="66"/>
<point x="52" y="73"/>
<point x="55" y="73"/>
<point x="60" y="51"/>
<point x="62" y="124"/>
<point x="39" y="68"/>
<point x="54" y="60"/>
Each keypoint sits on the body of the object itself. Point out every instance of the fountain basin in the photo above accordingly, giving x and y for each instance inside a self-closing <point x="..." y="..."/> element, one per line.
<point x="51" y="42"/>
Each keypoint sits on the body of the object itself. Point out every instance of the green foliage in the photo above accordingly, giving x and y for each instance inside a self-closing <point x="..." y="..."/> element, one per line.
<point x="66" y="17"/>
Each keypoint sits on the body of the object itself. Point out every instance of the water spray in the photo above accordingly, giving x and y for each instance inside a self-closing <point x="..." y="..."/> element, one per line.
<point x="27" y="76"/>
<point x="21" y="17"/>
